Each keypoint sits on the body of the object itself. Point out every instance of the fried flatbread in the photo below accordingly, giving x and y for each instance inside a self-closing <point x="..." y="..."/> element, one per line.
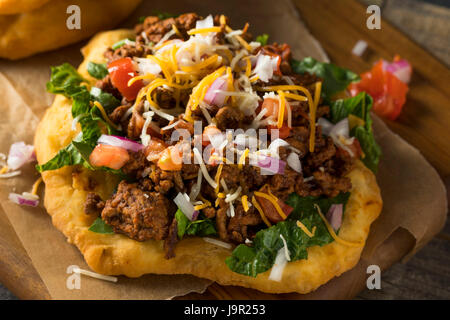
<point x="43" y="29"/>
<point x="66" y="191"/>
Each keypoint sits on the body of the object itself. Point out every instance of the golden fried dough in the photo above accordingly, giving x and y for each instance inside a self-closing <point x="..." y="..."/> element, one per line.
<point x="117" y="254"/>
<point x="19" y="6"/>
<point x="45" y="28"/>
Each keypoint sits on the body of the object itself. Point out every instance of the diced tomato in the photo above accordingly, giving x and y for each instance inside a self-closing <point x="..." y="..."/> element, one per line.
<point x="270" y="212"/>
<point x="109" y="156"/>
<point x="387" y="91"/>
<point x="154" y="149"/>
<point x="272" y="108"/>
<point x="170" y="159"/>
<point x="283" y="132"/>
<point x="121" y="71"/>
<point x="355" y="147"/>
<point x="209" y="131"/>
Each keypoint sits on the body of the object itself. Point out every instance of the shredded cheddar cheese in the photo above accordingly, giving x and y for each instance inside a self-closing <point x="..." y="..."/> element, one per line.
<point x="305" y="229"/>
<point x="35" y="187"/>
<point x="273" y="201"/>
<point x="204" y="30"/>
<point x="334" y="235"/>
<point x="281" y="109"/>
<point x="242" y="158"/>
<point x="263" y="217"/>
<point x="104" y="115"/>
<point x="201" y="206"/>
<point x="174" y="28"/>
<point x="244" y="200"/>
<point x="217" y="177"/>
<point x="312" y="107"/>
<point x="4" y="170"/>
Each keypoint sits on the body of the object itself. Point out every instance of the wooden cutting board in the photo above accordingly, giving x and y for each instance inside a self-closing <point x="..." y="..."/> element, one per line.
<point x="338" y="25"/>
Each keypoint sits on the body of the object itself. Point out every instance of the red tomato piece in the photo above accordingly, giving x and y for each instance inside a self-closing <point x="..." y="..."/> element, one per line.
<point x="270" y="212"/>
<point x="154" y="149"/>
<point x="283" y="132"/>
<point x="170" y="159"/>
<point x="121" y="71"/>
<point x="209" y="131"/>
<point x="109" y="156"/>
<point x="387" y="91"/>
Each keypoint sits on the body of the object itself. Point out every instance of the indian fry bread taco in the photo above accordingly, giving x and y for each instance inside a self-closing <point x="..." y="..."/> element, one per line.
<point x="276" y="191"/>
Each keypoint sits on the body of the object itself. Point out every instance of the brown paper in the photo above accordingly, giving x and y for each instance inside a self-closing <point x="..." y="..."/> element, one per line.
<point x="414" y="196"/>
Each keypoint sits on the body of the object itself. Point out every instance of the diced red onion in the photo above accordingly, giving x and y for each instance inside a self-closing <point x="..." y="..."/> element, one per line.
<point x="212" y="96"/>
<point x="272" y="165"/>
<point x="19" y="154"/>
<point x="334" y="216"/>
<point x="341" y="129"/>
<point x="401" y="69"/>
<point x="265" y="66"/>
<point x="293" y="161"/>
<point x="23" y="200"/>
<point x="326" y="126"/>
<point x="208" y="22"/>
<point x="122" y="142"/>
<point x="185" y="206"/>
<point x="276" y="144"/>
<point x="195" y="215"/>
<point x="276" y="273"/>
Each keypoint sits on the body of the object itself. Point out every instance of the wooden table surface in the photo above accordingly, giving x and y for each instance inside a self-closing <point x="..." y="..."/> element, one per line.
<point x="424" y="123"/>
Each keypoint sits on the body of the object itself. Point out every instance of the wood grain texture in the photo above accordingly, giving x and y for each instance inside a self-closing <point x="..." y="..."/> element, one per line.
<point x="424" y="123"/>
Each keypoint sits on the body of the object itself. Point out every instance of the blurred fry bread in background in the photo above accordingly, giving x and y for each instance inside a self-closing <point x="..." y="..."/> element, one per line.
<point x="20" y="6"/>
<point x="44" y="28"/>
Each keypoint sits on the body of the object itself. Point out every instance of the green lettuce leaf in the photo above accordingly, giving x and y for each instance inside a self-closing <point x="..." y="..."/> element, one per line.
<point x="335" y="79"/>
<point x="62" y="78"/>
<point x="66" y="80"/>
<point x="199" y="227"/>
<point x="97" y="70"/>
<point x="263" y="38"/>
<point x="359" y="106"/>
<point x="260" y="257"/>
<point x="99" y="226"/>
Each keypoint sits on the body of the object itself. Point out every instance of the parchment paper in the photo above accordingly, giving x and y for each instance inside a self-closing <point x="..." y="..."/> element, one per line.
<point x="414" y="196"/>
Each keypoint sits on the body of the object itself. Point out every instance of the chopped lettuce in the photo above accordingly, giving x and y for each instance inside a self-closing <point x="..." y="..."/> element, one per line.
<point x="260" y="257"/>
<point x="97" y="70"/>
<point x="263" y="38"/>
<point x="100" y="226"/>
<point x="199" y="227"/>
<point x="359" y="106"/>
<point x="335" y="79"/>
<point x="67" y="81"/>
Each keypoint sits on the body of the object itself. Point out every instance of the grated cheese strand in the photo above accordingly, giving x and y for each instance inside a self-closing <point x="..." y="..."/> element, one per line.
<point x="95" y="275"/>
<point x="281" y="109"/>
<point x="217" y="177"/>
<point x="245" y="202"/>
<point x="305" y="229"/>
<point x="242" y="158"/>
<point x="263" y="217"/>
<point x="334" y="235"/>
<point x="104" y="115"/>
<point x="273" y="201"/>
<point x="35" y="187"/>
<point x="204" y="30"/>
